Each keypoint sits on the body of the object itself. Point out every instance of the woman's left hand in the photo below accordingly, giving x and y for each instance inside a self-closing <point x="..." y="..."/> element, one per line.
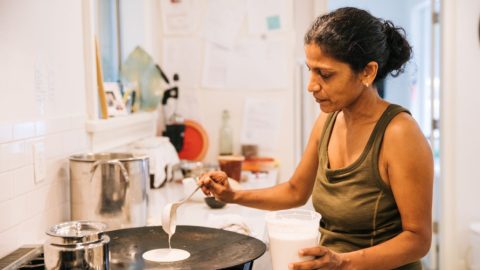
<point x="324" y="259"/>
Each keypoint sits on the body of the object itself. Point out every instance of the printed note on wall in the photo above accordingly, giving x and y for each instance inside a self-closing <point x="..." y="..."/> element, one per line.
<point x="261" y="123"/>
<point x="252" y="64"/>
<point x="180" y="17"/>
<point x="223" y="21"/>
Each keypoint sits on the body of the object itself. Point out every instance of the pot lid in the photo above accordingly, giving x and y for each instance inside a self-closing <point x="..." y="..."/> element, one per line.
<point x="209" y="248"/>
<point x="92" y="157"/>
<point x="75" y="232"/>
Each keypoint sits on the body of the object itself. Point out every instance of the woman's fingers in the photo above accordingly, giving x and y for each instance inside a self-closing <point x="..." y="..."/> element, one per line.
<point x="308" y="265"/>
<point x="213" y="183"/>
<point x="219" y="177"/>
<point x="204" y="182"/>
<point x="217" y="190"/>
<point x="324" y="259"/>
<point x="318" y="251"/>
<point x="205" y="190"/>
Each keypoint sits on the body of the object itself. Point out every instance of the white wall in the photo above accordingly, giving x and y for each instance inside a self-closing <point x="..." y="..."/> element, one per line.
<point x="460" y="128"/>
<point x="210" y="102"/>
<point x="43" y="101"/>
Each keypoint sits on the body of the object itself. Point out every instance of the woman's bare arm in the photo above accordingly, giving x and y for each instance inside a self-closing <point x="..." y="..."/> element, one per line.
<point x="295" y="192"/>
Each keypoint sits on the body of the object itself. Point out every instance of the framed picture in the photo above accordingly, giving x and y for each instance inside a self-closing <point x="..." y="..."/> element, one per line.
<point x="114" y="100"/>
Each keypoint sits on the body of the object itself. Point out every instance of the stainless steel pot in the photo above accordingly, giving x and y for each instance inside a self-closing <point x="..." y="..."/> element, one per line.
<point x="110" y="188"/>
<point x="77" y="245"/>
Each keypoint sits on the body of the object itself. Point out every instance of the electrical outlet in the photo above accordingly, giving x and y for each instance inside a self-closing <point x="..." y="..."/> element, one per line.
<point x="39" y="161"/>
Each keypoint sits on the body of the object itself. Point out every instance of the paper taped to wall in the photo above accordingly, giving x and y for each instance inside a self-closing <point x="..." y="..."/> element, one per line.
<point x="261" y="124"/>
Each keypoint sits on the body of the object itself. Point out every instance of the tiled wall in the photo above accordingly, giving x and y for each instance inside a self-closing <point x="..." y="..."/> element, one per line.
<point x="42" y="72"/>
<point x="27" y="207"/>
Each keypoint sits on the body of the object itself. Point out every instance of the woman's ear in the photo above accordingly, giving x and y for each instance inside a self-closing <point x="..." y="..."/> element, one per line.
<point x="369" y="73"/>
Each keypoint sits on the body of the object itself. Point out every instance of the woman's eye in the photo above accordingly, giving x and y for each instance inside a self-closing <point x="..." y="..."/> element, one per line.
<point x="320" y="72"/>
<point x="325" y="76"/>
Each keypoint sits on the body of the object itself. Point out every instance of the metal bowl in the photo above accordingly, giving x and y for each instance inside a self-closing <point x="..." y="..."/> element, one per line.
<point x="213" y="203"/>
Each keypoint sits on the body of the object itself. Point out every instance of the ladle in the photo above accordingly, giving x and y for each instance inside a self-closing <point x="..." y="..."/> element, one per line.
<point x="169" y="215"/>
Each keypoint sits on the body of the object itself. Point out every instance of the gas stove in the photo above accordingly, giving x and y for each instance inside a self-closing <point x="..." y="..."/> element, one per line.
<point x="26" y="257"/>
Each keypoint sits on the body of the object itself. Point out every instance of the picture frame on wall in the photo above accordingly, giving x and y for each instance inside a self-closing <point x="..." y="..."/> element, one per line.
<point x="114" y="100"/>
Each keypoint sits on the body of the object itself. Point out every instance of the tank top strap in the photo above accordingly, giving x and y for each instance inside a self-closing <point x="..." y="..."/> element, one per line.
<point x="378" y="134"/>
<point x="327" y="131"/>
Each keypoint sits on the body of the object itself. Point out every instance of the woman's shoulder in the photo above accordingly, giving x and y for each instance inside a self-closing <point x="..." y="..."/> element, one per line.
<point x="402" y="123"/>
<point x="403" y="130"/>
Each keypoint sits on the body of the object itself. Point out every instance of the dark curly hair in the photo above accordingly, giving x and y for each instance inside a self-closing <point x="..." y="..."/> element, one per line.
<point x="355" y="37"/>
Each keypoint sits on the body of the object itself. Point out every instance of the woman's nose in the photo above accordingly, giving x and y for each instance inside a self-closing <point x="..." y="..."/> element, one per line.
<point x="312" y="85"/>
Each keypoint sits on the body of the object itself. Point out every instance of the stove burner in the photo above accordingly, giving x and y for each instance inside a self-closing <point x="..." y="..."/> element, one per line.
<point x="26" y="257"/>
<point x="38" y="263"/>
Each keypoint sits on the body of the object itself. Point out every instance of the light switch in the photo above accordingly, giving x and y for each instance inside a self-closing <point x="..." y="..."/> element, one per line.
<point x="39" y="161"/>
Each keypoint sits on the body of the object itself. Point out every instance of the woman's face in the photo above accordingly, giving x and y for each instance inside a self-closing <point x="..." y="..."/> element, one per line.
<point x="334" y="84"/>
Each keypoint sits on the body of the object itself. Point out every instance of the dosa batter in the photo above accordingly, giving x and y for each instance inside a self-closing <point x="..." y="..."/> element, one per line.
<point x="169" y="254"/>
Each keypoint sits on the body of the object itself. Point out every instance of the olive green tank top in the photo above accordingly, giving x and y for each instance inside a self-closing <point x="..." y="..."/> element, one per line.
<point x="358" y="209"/>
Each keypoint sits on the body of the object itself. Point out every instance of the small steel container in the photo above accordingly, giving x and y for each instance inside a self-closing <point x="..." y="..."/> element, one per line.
<point x="77" y="245"/>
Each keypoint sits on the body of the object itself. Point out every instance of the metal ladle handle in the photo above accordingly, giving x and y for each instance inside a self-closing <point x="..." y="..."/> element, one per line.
<point x="114" y="162"/>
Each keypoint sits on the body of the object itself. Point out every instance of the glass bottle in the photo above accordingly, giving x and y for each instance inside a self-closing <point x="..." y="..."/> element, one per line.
<point x="226" y="135"/>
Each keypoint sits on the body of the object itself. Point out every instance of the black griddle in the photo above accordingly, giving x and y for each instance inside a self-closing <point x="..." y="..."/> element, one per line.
<point x="209" y="248"/>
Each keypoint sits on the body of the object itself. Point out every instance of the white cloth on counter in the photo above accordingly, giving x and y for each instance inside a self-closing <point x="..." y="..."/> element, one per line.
<point x="229" y="222"/>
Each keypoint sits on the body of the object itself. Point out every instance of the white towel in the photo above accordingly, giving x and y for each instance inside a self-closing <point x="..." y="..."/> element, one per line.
<point x="229" y="222"/>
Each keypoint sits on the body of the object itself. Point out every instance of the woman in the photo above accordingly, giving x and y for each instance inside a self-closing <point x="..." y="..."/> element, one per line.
<point x="367" y="164"/>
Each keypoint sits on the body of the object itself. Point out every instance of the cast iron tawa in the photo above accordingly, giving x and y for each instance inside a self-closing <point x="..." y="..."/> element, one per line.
<point x="209" y="248"/>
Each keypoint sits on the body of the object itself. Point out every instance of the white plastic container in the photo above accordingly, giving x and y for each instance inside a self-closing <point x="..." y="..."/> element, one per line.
<point x="288" y="232"/>
<point x="473" y="256"/>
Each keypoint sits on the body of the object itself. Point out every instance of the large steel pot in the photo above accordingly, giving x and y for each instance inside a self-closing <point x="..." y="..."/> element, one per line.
<point x="77" y="245"/>
<point x="110" y="188"/>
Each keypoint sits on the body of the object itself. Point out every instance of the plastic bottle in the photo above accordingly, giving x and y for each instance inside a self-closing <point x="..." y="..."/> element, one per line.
<point x="226" y="135"/>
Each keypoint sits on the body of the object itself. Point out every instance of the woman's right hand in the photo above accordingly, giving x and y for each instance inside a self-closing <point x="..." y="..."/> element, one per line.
<point x="216" y="183"/>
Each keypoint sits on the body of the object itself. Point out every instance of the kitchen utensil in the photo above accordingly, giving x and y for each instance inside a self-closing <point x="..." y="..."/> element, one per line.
<point x="188" y="197"/>
<point x="169" y="214"/>
<point x="110" y="188"/>
<point x="77" y="245"/>
<point x="189" y="185"/>
<point x="209" y="248"/>
<point x="174" y="122"/>
<point x="195" y="142"/>
<point x="214" y="203"/>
